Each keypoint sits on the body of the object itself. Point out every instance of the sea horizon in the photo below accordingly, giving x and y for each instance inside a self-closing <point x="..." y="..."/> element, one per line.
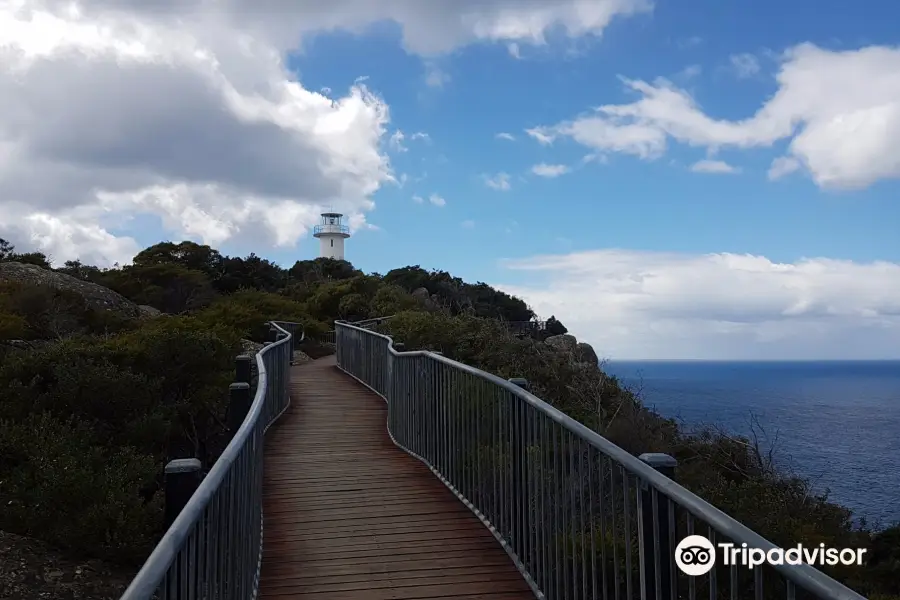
<point x="751" y="360"/>
<point x="836" y="421"/>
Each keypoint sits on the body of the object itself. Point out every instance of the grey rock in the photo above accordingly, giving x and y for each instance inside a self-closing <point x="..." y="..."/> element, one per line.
<point x="148" y="312"/>
<point x="250" y="347"/>
<point x="585" y="353"/>
<point x="564" y="342"/>
<point x="579" y="352"/>
<point x="96" y="296"/>
<point x="24" y="344"/>
<point x="300" y="358"/>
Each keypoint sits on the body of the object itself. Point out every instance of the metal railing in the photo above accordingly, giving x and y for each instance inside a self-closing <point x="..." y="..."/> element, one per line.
<point x="526" y="326"/>
<point x="213" y="549"/>
<point x="329" y="337"/>
<point x="579" y="516"/>
<point x="331" y="228"/>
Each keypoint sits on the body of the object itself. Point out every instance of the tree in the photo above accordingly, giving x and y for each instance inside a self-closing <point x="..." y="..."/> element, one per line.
<point x="168" y="287"/>
<point x="494" y="304"/>
<point x="79" y="270"/>
<point x="353" y="307"/>
<point x="323" y="269"/>
<point x="190" y="255"/>
<point x="250" y="272"/>
<point x="8" y="254"/>
<point x="390" y="300"/>
<point x="6" y="249"/>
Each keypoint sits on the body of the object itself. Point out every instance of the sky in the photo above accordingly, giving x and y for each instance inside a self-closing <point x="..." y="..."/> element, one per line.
<point x="699" y="180"/>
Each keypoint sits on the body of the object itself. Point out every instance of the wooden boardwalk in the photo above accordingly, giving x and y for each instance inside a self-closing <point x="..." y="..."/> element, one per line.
<point x="350" y="516"/>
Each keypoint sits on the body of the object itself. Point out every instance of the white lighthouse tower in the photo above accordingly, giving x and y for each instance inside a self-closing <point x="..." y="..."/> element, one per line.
<point x="331" y="236"/>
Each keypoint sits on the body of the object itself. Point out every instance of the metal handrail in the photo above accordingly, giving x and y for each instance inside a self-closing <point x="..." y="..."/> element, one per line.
<point x="213" y="549"/>
<point x="329" y="337"/>
<point x="575" y="512"/>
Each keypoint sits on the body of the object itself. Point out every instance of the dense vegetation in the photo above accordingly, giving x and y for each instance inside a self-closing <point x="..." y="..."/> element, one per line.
<point x="94" y="402"/>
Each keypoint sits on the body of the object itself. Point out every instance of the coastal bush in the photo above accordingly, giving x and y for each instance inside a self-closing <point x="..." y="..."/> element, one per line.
<point x="59" y="483"/>
<point x="89" y="422"/>
<point x="247" y="312"/>
<point x="170" y="288"/>
<point x="39" y="312"/>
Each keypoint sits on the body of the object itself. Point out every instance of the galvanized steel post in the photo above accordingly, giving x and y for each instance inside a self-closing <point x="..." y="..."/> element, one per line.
<point x="656" y="547"/>
<point x="238" y="405"/>
<point x="182" y="476"/>
<point x="242" y="368"/>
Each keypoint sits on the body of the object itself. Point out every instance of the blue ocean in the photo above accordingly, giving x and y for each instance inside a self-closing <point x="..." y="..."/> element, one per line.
<point x="837" y="423"/>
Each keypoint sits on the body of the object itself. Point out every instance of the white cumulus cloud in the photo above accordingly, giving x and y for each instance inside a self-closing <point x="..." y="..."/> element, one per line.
<point x="499" y="182"/>
<point x="550" y="171"/>
<point x="186" y="112"/>
<point x="713" y="166"/>
<point x="632" y="304"/>
<point x="744" y="65"/>
<point x="838" y="110"/>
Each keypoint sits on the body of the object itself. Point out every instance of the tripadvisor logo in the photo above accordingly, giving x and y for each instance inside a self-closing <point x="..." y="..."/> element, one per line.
<point x="696" y="555"/>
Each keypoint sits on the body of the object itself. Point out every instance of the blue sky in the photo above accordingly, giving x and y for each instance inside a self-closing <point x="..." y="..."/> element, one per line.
<point x="725" y="174"/>
<point x="627" y="203"/>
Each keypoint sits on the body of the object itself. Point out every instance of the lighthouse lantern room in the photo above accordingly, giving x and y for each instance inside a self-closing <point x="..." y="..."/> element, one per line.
<point x="331" y="234"/>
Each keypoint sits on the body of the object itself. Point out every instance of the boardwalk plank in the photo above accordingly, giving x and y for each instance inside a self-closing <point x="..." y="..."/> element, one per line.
<point x="349" y="516"/>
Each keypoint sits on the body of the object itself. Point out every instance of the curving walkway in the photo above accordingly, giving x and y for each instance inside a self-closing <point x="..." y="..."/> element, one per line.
<point x="350" y="516"/>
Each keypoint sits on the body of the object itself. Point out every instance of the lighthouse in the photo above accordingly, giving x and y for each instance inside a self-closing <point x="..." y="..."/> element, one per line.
<point x="331" y="234"/>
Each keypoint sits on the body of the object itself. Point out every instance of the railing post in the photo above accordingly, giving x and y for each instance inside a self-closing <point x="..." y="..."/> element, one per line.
<point x="238" y="405"/>
<point x="520" y="382"/>
<point x="243" y="372"/>
<point x="523" y="383"/>
<point x="519" y="447"/>
<point x="656" y="585"/>
<point x="182" y="476"/>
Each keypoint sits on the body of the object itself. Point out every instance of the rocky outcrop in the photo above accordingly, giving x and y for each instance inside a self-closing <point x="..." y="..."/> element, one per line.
<point x="148" y="312"/>
<point x="300" y="358"/>
<point x="23" y="345"/>
<point x="95" y="296"/>
<point x="585" y="353"/>
<point x="250" y="348"/>
<point x="430" y="302"/>
<point x="564" y="342"/>
<point x="580" y="352"/>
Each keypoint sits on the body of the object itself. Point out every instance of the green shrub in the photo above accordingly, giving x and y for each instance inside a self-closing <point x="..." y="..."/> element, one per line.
<point x="39" y="312"/>
<point x="390" y="300"/>
<point x="168" y="287"/>
<point x="161" y="388"/>
<point x="88" y="424"/>
<point x="246" y="312"/>
<point x="59" y="484"/>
